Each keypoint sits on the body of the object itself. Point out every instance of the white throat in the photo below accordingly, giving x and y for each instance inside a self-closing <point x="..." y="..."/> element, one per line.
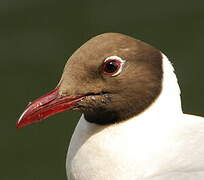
<point x="95" y="151"/>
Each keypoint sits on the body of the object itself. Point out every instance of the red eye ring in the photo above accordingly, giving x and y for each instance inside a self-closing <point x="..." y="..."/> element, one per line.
<point x="112" y="65"/>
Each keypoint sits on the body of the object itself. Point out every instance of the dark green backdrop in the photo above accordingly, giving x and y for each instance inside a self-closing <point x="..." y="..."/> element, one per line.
<point x="36" y="38"/>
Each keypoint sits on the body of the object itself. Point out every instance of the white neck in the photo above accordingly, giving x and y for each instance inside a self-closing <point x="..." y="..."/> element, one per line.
<point x="104" y="142"/>
<point x="169" y="101"/>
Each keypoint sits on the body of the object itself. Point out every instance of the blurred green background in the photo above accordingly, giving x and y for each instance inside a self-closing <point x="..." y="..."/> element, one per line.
<point x="38" y="36"/>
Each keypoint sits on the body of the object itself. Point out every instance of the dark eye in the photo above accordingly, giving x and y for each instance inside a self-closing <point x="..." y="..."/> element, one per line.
<point x="112" y="66"/>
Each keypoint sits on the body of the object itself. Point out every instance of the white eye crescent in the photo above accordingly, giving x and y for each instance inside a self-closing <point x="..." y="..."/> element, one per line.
<point x="113" y="65"/>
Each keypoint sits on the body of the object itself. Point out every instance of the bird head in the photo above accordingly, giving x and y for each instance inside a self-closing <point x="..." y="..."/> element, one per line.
<point x="110" y="78"/>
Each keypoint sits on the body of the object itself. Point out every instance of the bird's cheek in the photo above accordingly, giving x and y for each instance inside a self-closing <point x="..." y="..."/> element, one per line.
<point x="91" y="103"/>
